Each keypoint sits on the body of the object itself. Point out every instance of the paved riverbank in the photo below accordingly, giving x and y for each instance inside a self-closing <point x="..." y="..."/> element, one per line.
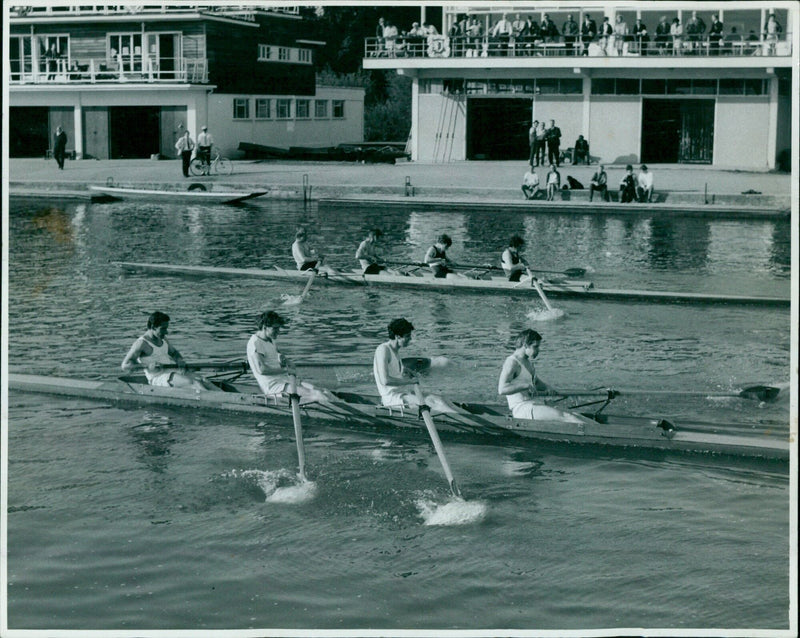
<point x="486" y="182"/>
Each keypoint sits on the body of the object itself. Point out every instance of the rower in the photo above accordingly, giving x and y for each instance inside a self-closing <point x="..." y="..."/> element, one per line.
<point x="391" y="376"/>
<point x="436" y="257"/>
<point x="270" y="368"/>
<point x="368" y="254"/>
<point x="306" y="257"/>
<point x="153" y="352"/>
<point x="513" y="263"/>
<point x="521" y="387"/>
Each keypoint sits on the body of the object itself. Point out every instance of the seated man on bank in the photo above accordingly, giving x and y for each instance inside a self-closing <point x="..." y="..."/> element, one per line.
<point x="580" y="152"/>
<point x="530" y="184"/>
<point x="163" y="365"/>
<point x="523" y="389"/>
<point x="436" y="257"/>
<point x="627" y="186"/>
<point x="644" y="190"/>
<point x="514" y="264"/>
<point x="391" y="377"/>
<point x="599" y="183"/>
<point x="270" y="368"/>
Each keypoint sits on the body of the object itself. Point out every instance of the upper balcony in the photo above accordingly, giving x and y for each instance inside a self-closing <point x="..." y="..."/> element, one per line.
<point x="438" y="51"/>
<point x="69" y="12"/>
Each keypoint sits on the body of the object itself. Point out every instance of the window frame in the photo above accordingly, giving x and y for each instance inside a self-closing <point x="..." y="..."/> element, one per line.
<point x="281" y="102"/>
<point x="307" y="103"/>
<point x="334" y="104"/>
<point x="268" y="102"/>
<point x="237" y="103"/>
<point x="324" y="116"/>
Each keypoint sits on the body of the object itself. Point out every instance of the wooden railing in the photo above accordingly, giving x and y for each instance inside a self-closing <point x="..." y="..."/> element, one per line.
<point x="486" y="46"/>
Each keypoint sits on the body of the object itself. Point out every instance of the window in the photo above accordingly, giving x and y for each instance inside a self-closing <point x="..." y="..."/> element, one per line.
<point x="241" y="108"/>
<point x="338" y="109"/>
<point x="125" y="48"/>
<point x="679" y="87"/>
<point x="602" y="86"/>
<point x="262" y="108"/>
<point x="704" y="87"/>
<point x="302" y="108"/>
<point x="321" y="109"/>
<point x="283" y="109"/>
<point x="627" y="86"/>
<point x="654" y="87"/>
<point x="304" y="55"/>
<point x="264" y="52"/>
<point x="284" y="54"/>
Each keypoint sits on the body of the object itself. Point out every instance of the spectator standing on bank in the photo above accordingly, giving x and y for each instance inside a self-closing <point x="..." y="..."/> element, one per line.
<point x="204" y="143"/>
<point x="553" y="138"/>
<point x="60" y="147"/>
<point x="599" y="183"/>
<point x="184" y="146"/>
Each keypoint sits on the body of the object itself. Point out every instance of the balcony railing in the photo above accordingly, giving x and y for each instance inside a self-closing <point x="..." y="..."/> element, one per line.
<point x="243" y="12"/>
<point x="149" y="70"/>
<point x="438" y="46"/>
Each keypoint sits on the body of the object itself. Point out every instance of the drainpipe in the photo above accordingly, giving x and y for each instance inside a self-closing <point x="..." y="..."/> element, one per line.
<point x="772" y="130"/>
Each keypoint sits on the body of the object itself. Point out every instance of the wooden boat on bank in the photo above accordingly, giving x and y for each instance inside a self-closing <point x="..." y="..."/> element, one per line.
<point x="351" y="410"/>
<point x="477" y="280"/>
<point x="102" y="194"/>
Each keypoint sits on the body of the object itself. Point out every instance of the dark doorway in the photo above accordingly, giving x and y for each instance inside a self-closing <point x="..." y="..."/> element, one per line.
<point x="677" y="131"/>
<point x="497" y="129"/>
<point x="134" y="131"/>
<point x="28" y="131"/>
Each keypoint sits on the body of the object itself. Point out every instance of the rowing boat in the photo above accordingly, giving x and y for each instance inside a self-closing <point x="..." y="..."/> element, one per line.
<point x="413" y="276"/>
<point x="359" y="411"/>
<point x="116" y="193"/>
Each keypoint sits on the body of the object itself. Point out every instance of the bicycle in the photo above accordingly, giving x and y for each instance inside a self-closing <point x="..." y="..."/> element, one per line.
<point x="219" y="165"/>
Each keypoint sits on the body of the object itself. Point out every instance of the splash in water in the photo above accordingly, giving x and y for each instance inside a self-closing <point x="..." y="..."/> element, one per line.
<point x="291" y="300"/>
<point x="457" y="511"/>
<point x="280" y="486"/>
<point x="545" y="314"/>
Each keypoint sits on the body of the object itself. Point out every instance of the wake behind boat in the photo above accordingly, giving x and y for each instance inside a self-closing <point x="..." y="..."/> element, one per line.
<point x="473" y="280"/>
<point x="358" y="411"/>
<point x="116" y="193"/>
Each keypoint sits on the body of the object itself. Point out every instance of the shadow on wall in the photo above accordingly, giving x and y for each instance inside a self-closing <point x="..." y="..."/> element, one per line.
<point x="626" y="159"/>
<point x="785" y="161"/>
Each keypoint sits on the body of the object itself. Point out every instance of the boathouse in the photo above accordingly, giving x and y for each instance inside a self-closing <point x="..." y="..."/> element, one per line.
<point x="124" y="81"/>
<point x="717" y="95"/>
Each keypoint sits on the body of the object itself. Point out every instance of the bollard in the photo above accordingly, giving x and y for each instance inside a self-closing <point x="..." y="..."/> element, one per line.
<point x="306" y="189"/>
<point x="409" y="187"/>
<point x="705" y="194"/>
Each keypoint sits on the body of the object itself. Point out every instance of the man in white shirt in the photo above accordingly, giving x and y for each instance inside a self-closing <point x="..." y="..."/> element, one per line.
<point x="530" y="184"/>
<point x="644" y="189"/>
<point x="184" y="146"/>
<point x="204" y="143"/>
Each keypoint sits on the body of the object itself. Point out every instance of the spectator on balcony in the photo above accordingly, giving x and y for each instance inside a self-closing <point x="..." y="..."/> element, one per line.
<point x="663" y="35"/>
<point x="627" y="186"/>
<point x="390" y="39"/>
<point x="379" y="35"/>
<point x="204" y="143"/>
<point x="676" y="31"/>
<point x="570" y="31"/>
<point x="641" y="38"/>
<point x="502" y="31"/>
<point x="715" y="35"/>
<point x="60" y="147"/>
<point x="51" y="57"/>
<point x="606" y="31"/>
<point x="185" y="146"/>
<point x="772" y="32"/>
<point x="430" y="29"/>
<point x="519" y="28"/>
<point x="553" y="137"/>
<point x="549" y="30"/>
<point x="695" y="30"/>
<point x="474" y="35"/>
<point x="620" y="34"/>
<point x="580" y="152"/>
<point x="588" y="33"/>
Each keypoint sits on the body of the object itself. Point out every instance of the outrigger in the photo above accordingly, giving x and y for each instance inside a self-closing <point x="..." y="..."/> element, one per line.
<point x="361" y="411"/>
<point x="471" y="279"/>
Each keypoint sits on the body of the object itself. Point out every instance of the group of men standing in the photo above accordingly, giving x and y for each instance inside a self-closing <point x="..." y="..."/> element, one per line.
<point x="185" y="146"/>
<point x="544" y="139"/>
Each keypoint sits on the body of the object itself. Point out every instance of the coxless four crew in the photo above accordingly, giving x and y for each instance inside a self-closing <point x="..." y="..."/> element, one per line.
<point x="158" y="358"/>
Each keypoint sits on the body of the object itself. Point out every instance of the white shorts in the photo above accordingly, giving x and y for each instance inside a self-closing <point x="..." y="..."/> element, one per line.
<point x="539" y="412"/>
<point x="162" y="380"/>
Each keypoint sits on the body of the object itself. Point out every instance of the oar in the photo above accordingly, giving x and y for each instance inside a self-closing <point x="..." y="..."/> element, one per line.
<point x="538" y="287"/>
<point x="414" y="364"/>
<point x="298" y="426"/>
<point x="569" y="272"/>
<point x="297" y="300"/>
<point x="755" y="392"/>
<point x="437" y="443"/>
<point x="211" y="365"/>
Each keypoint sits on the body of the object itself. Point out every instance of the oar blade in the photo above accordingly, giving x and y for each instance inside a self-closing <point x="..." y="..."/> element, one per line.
<point x="575" y="272"/>
<point x="760" y="393"/>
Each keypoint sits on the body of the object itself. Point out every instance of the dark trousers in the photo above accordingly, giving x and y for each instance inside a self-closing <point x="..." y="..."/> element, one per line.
<point x="601" y="188"/>
<point x="186" y="158"/>
<point x="553" y="153"/>
<point x="59" y="154"/>
<point x="537" y="153"/>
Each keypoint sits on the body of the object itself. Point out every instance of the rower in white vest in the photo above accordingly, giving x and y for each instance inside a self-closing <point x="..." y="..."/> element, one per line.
<point x="523" y="389"/>
<point x="272" y="369"/>
<point x="159" y="358"/>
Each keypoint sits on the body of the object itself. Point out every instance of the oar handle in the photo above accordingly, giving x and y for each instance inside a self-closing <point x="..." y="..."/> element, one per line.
<point x="208" y="365"/>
